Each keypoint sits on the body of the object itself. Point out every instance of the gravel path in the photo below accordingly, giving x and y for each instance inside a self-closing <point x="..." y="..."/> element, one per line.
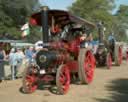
<point x="108" y="86"/>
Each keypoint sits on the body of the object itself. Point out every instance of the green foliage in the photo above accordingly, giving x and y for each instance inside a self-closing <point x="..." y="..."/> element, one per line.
<point x="95" y="10"/>
<point x="122" y="22"/>
<point x="100" y="10"/>
<point x="35" y="34"/>
<point x="15" y="13"/>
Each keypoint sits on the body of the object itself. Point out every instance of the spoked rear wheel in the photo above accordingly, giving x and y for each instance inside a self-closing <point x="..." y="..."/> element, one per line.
<point x="63" y="79"/>
<point x="109" y="61"/>
<point x="86" y="63"/>
<point x="118" y="55"/>
<point x="29" y="80"/>
<point x="127" y="55"/>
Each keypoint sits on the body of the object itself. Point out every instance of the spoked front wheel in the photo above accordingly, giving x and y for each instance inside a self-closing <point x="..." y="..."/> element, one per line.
<point x="109" y="61"/>
<point x="63" y="79"/>
<point x="118" y="55"/>
<point x="29" y="80"/>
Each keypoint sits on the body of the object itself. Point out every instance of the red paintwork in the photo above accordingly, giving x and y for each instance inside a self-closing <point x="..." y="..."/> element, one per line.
<point x="73" y="66"/>
<point x="127" y="54"/>
<point x="89" y="66"/>
<point x="64" y="79"/>
<point x="109" y="62"/>
<point x="71" y="46"/>
<point x="74" y="46"/>
<point x="64" y="56"/>
<point x="120" y="55"/>
<point x="30" y="83"/>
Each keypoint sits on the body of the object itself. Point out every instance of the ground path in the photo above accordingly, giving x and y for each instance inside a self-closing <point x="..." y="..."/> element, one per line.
<point x="108" y="86"/>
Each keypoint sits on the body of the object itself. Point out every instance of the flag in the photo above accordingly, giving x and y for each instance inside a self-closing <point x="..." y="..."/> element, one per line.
<point x="25" y="30"/>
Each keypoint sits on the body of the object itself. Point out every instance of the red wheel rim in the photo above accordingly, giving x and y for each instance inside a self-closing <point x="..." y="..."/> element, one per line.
<point x="30" y="83"/>
<point x="63" y="79"/>
<point x="89" y="65"/>
<point x="120" y="55"/>
<point x="109" y="61"/>
<point x="127" y="55"/>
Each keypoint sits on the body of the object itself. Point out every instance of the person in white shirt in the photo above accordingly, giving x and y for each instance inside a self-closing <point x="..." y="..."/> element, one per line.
<point x="13" y="61"/>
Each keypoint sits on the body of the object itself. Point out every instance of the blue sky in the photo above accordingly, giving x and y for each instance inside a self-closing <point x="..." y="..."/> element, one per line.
<point x="57" y="4"/>
<point x="63" y="4"/>
<point x="118" y="2"/>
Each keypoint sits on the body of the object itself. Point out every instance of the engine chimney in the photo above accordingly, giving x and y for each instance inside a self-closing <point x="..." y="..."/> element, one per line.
<point x="100" y="31"/>
<point x="44" y="21"/>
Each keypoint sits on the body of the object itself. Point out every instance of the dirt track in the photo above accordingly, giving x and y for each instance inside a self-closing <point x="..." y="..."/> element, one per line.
<point x="108" y="86"/>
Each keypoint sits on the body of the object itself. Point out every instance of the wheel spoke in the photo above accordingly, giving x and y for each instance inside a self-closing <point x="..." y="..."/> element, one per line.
<point x="109" y="61"/>
<point x="90" y="67"/>
<point x="29" y="82"/>
<point x="63" y="79"/>
<point x="120" y="56"/>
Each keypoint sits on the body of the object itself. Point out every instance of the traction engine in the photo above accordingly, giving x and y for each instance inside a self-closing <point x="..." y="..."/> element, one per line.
<point x="61" y="58"/>
<point x="108" y="51"/>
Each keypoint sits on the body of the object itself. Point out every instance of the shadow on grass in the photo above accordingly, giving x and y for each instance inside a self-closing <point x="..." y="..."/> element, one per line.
<point x="118" y="91"/>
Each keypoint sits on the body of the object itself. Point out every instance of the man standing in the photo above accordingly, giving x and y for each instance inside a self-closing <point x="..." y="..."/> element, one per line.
<point x="13" y="61"/>
<point x="2" y="58"/>
<point x="29" y="53"/>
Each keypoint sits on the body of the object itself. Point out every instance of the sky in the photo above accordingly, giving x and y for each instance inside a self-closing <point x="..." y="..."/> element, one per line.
<point x="63" y="4"/>
<point x="57" y="4"/>
<point x="118" y="2"/>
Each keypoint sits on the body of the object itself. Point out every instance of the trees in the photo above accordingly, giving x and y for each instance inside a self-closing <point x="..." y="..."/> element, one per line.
<point x="122" y="22"/>
<point x="100" y="10"/>
<point x="95" y="10"/>
<point x="14" y="13"/>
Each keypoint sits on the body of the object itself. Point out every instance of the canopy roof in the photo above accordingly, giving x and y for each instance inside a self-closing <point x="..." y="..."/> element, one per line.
<point x="21" y="44"/>
<point x="60" y="17"/>
<point x="10" y="41"/>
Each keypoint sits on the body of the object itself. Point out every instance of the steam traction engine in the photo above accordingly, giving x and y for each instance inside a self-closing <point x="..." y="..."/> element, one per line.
<point x="107" y="51"/>
<point x="62" y="55"/>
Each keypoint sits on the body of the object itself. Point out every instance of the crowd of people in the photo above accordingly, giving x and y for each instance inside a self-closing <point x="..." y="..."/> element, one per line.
<point x="15" y="58"/>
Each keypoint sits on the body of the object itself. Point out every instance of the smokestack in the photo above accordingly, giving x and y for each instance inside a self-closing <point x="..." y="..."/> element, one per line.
<point x="44" y="21"/>
<point x="100" y="31"/>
